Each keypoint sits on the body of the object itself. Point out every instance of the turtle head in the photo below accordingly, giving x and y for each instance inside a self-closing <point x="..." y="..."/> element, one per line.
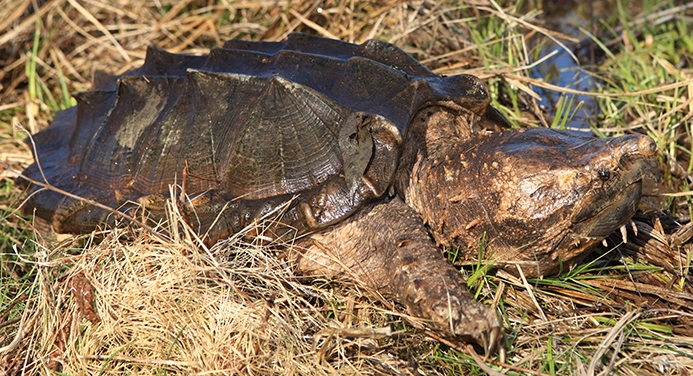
<point x="557" y="194"/>
<point x="610" y="173"/>
<point x="541" y="198"/>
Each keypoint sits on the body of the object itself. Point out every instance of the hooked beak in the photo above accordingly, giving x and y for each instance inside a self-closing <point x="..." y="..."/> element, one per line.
<point x="613" y="206"/>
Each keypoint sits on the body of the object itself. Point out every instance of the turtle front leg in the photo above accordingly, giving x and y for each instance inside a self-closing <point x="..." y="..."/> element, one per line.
<point x="387" y="248"/>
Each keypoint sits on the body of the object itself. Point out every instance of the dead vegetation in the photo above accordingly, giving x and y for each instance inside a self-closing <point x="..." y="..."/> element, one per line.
<point x="124" y="302"/>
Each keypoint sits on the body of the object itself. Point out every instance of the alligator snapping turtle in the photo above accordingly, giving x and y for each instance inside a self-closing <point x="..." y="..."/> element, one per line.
<point x="381" y="161"/>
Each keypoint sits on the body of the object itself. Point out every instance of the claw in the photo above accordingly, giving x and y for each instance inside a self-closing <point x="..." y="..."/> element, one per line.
<point x="634" y="227"/>
<point x="501" y="353"/>
<point x="624" y="234"/>
<point x="492" y="342"/>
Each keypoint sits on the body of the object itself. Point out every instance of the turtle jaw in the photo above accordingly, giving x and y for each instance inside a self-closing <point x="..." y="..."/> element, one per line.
<point x="612" y="216"/>
<point x="583" y="236"/>
<point x="610" y="204"/>
<point x="564" y="249"/>
<point x="605" y="210"/>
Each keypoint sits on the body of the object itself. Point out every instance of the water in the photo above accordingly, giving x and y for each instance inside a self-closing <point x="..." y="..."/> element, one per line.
<point x="562" y="69"/>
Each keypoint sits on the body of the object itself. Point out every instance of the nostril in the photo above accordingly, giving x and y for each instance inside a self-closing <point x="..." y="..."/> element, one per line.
<point x="404" y="243"/>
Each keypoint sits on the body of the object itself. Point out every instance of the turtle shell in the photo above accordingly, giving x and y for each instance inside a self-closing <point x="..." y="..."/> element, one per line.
<point x="315" y="122"/>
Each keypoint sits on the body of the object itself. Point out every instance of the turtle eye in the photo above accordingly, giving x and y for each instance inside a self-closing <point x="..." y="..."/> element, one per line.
<point x="604" y="174"/>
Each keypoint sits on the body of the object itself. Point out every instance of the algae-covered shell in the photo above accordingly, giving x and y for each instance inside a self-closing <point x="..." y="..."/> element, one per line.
<point x="253" y="125"/>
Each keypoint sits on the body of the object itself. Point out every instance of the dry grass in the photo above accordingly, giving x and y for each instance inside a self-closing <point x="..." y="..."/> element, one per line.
<point x="124" y="302"/>
<point x="142" y="306"/>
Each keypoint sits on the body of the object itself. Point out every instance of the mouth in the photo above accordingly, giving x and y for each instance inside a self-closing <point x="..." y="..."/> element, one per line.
<point x="614" y="215"/>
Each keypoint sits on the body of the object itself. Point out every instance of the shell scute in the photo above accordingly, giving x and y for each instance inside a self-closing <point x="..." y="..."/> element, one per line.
<point x="107" y="161"/>
<point x="93" y="108"/>
<point x="289" y="145"/>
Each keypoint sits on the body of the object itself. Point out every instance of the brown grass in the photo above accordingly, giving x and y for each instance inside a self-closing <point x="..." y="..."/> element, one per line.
<point x="171" y="307"/>
<point x="124" y="302"/>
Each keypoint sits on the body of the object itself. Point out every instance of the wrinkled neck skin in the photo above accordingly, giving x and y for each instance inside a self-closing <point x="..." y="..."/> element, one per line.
<point x="541" y="199"/>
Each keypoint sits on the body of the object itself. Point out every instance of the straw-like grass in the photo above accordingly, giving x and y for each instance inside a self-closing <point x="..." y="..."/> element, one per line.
<point x="145" y="306"/>
<point x="124" y="301"/>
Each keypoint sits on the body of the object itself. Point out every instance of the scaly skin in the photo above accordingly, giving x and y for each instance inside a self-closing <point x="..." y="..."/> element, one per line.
<point x="388" y="249"/>
<point x="542" y="198"/>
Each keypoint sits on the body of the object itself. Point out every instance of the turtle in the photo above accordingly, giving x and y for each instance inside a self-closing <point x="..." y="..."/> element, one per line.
<point x="366" y="161"/>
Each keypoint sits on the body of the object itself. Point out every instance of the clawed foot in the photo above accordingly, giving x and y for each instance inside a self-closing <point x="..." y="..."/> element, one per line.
<point x="492" y="341"/>
<point x="454" y="313"/>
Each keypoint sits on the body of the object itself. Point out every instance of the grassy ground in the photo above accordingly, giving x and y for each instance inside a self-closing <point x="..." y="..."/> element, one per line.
<point x="124" y="302"/>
